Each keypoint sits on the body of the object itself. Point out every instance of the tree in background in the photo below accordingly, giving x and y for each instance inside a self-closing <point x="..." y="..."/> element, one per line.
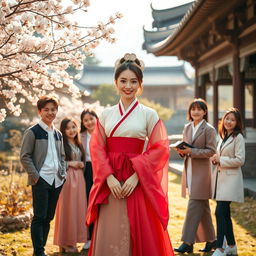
<point x="107" y="95"/>
<point x="88" y="61"/>
<point x="163" y="112"/>
<point x="92" y="60"/>
<point x="39" y="39"/>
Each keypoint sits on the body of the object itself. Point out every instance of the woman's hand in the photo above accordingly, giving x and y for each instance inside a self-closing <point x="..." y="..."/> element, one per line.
<point x="80" y="164"/>
<point x="72" y="164"/>
<point x="179" y="151"/>
<point x="76" y="164"/>
<point x="215" y="159"/>
<point x="114" y="186"/>
<point x="184" y="151"/>
<point x="130" y="184"/>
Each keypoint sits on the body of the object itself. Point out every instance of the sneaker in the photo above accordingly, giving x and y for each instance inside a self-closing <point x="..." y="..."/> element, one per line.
<point x="87" y="245"/>
<point x="231" y="250"/>
<point x="218" y="252"/>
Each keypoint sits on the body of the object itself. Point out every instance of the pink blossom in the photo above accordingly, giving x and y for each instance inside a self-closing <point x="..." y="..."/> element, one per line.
<point x="36" y="55"/>
<point x="119" y="15"/>
<point x="69" y="9"/>
<point x="2" y="114"/>
<point x="76" y="1"/>
<point x="86" y="3"/>
<point x="101" y="25"/>
<point x="22" y="100"/>
<point x="112" y="20"/>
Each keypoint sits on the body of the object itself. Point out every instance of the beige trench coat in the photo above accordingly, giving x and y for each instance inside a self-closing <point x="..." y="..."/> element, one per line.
<point x="230" y="179"/>
<point x="204" y="143"/>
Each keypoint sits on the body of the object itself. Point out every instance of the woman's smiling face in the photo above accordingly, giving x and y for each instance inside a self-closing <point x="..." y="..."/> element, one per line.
<point x="230" y="122"/>
<point x="127" y="85"/>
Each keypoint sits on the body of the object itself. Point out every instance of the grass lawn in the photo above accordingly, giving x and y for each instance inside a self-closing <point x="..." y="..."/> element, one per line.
<point x="19" y="243"/>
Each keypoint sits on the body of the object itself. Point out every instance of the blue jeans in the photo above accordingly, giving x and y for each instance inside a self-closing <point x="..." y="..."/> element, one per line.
<point x="45" y="199"/>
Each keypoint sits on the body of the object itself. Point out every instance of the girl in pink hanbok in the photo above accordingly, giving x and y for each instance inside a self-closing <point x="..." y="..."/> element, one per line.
<point x="70" y="227"/>
<point x="128" y="200"/>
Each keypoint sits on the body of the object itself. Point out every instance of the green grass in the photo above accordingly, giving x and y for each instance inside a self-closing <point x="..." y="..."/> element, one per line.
<point x="243" y="216"/>
<point x="19" y="243"/>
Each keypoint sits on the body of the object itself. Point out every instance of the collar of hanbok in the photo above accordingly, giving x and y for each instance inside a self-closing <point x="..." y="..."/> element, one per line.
<point x="122" y="110"/>
<point x="124" y="113"/>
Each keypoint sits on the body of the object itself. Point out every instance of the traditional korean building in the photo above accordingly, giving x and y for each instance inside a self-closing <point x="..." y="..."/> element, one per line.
<point x="161" y="84"/>
<point x="165" y="22"/>
<point x="218" y="38"/>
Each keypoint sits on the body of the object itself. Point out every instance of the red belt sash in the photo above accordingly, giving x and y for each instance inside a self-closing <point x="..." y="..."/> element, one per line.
<point x="125" y="145"/>
<point x="120" y="150"/>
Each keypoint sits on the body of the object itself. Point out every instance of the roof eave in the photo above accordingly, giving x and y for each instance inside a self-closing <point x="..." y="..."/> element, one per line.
<point x="159" y="49"/>
<point x="173" y="43"/>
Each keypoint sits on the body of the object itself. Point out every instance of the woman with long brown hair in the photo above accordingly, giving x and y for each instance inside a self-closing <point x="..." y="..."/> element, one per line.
<point x="227" y="178"/>
<point x="70" y="227"/>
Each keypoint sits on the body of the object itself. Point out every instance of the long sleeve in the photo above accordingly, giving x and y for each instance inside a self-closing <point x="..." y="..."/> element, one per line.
<point x="210" y="146"/>
<point x="26" y="152"/>
<point x="152" y="170"/>
<point x="64" y="164"/>
<point x="239" y="158"/>
<point x="99" y="155"/>
<point x="101" y="170"/>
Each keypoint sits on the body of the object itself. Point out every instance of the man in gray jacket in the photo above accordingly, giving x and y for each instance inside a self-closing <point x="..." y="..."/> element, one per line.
<point x="42" y="156"/>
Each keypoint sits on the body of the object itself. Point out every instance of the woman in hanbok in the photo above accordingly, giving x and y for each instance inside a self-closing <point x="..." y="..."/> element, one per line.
<point x="128" y="201"/>
<point x="70" y="227"/>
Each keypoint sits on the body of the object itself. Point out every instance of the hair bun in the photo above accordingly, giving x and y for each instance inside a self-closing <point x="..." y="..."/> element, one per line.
<point x="130" y="57"/>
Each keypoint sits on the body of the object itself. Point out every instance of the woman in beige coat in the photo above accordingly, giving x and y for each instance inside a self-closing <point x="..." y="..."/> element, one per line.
<point x="196" y="178"/>
<point x="228" y="178"/>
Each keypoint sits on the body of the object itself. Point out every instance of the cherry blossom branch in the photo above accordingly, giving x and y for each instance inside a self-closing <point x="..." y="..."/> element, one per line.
<point x="20" y="4"/>
<point x="7" y="40"/>
<point x="25" y="58"/>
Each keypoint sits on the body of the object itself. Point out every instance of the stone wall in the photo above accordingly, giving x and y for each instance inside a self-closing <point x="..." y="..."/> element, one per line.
<point x="249" y="168"/>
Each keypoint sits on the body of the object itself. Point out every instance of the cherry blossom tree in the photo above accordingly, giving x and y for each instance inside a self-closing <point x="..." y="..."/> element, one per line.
<point x="67" y="109"/>
<point x="39" y="40"/>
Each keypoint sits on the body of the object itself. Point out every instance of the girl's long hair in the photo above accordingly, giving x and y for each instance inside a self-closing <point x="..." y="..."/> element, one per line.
<point x="239" y="125"/>
<point x="67" y="147"/>
<point x="86" y="111"/>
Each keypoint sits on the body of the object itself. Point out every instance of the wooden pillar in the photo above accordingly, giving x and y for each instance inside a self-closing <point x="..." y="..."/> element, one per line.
<point x="215" y="100"/>
<point x="238" y="81"/>
<point x="200" y="87"/>
<point x="203" y="88"/>
<point x="254" y="105"/>
<point x="197" y="89"/>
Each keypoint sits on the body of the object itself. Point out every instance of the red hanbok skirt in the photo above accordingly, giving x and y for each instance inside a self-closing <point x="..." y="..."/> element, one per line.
<point x="147" y="235"/>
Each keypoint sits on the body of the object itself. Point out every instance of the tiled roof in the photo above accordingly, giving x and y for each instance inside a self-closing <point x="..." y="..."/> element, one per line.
<point x="153" y="76"/>
<point x="183" y="22"/>
<point x="158" y="35"/>
<point x="197" y="19"/>
<point x="170" y="19"/>
<point x="169" y="14"/>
